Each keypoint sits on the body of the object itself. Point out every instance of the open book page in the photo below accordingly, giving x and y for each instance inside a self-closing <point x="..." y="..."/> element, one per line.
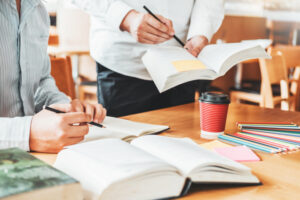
<point x="264" y="43"/>
<point x="165" y="62"/>
<point x="221" y="57"/>
<point x="96" y="133"/>
<point x="109" y="161"/>
<point x="185" y="154"/>
<point x="122" y="129"/>
<point x="131" y="127"/>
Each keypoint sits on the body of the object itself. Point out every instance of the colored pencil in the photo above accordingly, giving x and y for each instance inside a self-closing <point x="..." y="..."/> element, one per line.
<point x="260" y="143"/>
<point x="247" y="143"/>
<point x="289" y="138"/>
<point x="291" y="145"/>
<point x="263" y="141"/>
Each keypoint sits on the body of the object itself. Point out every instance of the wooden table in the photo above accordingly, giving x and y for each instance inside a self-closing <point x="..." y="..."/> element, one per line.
<point x="279" y="173"/>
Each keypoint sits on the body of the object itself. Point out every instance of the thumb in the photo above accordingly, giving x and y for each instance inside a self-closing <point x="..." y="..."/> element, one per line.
<point x="189" y="46"/>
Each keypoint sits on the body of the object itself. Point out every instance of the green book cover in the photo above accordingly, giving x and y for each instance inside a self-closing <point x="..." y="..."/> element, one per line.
<point x="21" y="172"/>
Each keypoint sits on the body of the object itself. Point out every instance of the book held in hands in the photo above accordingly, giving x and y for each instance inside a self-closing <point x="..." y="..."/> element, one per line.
<point x="172" y="66"/>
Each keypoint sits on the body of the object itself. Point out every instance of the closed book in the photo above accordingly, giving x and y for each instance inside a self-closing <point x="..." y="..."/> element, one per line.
<point x="24" y="177"/>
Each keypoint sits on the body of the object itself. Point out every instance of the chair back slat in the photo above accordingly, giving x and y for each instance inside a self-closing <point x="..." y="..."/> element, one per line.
<point x="61" y="70"/>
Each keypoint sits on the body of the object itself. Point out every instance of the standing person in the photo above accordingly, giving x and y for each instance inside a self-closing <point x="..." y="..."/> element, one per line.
<point x="26" y="85"/>
<point x="122" y="31"/>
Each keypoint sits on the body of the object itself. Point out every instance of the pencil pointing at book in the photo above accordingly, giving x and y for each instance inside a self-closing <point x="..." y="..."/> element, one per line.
<point x="58" y="111"/>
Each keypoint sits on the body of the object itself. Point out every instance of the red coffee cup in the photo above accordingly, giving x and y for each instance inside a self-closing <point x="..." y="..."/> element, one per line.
<point x="213" y="113"/>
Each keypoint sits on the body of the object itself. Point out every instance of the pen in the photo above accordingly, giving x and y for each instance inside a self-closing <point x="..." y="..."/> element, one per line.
<point x="151" y="13"/>
<point x="58" y="111"/>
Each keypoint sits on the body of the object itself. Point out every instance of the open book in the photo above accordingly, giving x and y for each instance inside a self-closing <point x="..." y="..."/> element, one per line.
<point x="172" y="66"/>
<point x="122" y="129"/>
<point x="151" y="167"/>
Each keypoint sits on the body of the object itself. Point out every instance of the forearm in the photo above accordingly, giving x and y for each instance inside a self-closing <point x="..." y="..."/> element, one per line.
<point x="48" y="94"/>
<point x="15" y="132"/>
<point x="206" y="19"/>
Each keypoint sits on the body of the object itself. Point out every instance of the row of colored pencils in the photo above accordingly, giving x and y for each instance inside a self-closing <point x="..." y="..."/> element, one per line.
<point x="267" y="137"/>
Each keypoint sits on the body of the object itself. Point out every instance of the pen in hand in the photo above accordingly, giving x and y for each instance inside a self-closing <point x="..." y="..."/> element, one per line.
<point x="58" y="111"/>
<point x="152" y="14"/>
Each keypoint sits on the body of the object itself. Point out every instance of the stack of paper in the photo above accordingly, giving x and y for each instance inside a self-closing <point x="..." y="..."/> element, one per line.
<point x="267" y="137"/>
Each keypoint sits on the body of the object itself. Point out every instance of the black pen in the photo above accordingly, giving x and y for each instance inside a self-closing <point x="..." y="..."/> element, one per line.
<point x="151" y="13"/>
<point x="58" y="111"/>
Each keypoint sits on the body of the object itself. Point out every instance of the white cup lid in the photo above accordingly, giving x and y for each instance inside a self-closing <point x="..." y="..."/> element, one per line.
<point x="210" y="135"/>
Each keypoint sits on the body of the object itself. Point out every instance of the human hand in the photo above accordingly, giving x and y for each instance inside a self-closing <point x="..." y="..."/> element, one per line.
<point x="146" y="29"/>
<point x="96" y="111"/>
<point x="51" y="132"/>
<point x="196" y="44"/>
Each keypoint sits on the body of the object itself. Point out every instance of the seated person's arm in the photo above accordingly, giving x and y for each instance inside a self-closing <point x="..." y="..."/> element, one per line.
<point x="50" y="132"/>
<point x="207" y="17"/>
<point x="15" y="132"/>
<point x="121" y="17"/>
<point x="44" y="132"/>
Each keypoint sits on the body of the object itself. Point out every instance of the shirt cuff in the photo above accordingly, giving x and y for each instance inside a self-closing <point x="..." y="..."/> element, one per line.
<point x="201" y="28"/>
<point x="17" y="133"/>
<point x="116" y="13"/>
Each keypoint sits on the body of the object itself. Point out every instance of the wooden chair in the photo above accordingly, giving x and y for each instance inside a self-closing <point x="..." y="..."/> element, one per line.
<point x="61" y="70"/>
<point x="53" y="37"/>
<point x="274" y="76"/>
<point x="274" y="72"/>
<point x="292" y="62"/>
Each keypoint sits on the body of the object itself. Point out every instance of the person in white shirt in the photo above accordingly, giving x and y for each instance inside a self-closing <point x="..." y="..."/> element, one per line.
<point x="122" y="31"/>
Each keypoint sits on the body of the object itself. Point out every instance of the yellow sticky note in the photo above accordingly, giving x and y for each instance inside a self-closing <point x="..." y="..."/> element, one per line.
<point x="214" y="144"/>
<point x="188" y="65"/>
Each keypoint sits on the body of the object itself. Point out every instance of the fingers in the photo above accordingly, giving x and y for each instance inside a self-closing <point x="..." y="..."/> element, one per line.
<point x="76" y="117"/>
<point x="190" y="48"/>
<point x="196" y="44"/>
<point x="103" y="115"/>
<point x="156" y="24"/>
<point x="153" y="31"/>
<point x="89" y="109"/>
<point x="76" y="106"/>
<point x="164" y="25"/>
<point x="153" y="39"/>
<point x="100" y="113"/>
<point x="77" y="131"/>
<point x="168" y="23"/>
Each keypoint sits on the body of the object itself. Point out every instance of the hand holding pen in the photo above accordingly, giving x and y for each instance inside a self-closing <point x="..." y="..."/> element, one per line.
<point x="147" y="29"/>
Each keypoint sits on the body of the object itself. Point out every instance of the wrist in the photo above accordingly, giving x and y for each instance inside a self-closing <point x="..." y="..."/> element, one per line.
<point x="128" y="19"/>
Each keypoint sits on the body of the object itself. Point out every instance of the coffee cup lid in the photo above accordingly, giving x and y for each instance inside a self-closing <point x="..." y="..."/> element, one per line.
<point x="214" y="97"/>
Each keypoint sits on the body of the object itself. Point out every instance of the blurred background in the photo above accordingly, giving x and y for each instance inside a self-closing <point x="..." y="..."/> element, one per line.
<point x="276" y="20"/>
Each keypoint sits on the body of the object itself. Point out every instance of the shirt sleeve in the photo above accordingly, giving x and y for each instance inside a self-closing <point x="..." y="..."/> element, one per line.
<point x="113" y="11"/>
<point x="206" y="18"/>
<point x="47" y="92"/>
<point x="15" y="132"/>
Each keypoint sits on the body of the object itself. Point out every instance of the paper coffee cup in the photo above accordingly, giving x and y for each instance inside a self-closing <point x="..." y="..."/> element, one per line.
<point x="213" y="114"/>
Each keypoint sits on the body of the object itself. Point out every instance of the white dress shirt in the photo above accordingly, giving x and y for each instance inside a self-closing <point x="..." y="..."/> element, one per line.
<point x="25" y="81"/>
<point x="120" y="52"/>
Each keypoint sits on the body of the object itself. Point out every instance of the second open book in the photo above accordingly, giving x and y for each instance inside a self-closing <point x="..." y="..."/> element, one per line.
<point x="172" y="66"/>
<point x="151" y="167"/>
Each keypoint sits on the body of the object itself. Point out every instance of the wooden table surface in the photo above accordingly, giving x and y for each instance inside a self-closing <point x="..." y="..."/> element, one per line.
<point x="279" y="173"/>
